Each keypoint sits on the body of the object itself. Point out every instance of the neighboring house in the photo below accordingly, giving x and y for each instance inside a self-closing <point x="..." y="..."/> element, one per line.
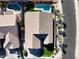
<point x="8" y="27"/>
<point x="38" y="29"/>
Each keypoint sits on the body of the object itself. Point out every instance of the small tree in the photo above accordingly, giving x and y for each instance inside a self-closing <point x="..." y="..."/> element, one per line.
<point x="60" y="26"/>
<point x="58" y="14"/>
<point x="60" y="39"/>
<point x="1" y="5"/>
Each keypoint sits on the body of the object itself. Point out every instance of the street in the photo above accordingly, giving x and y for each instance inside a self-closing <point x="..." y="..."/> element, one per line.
<point x="70" y="20"/>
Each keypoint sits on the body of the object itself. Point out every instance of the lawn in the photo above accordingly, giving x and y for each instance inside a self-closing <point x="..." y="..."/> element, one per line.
<point x="47" y="53"/>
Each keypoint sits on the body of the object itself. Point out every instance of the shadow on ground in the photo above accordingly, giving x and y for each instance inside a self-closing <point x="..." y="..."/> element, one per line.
<point x="2" y="53"/>
<point x="49" y="47"/>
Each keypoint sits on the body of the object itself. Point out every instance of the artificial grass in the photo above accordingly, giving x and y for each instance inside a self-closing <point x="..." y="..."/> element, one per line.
<point x="47" y="53"/>
<point x="32" y="9"/>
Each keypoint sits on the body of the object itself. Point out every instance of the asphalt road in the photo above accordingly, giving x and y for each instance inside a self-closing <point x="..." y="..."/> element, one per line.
<point x="70" y="20"/>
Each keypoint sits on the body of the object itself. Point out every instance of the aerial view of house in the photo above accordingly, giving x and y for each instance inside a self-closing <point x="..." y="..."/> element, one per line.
<point x="45" y="29"/>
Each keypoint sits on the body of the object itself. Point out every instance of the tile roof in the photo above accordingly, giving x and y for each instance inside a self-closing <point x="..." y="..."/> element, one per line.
<point x="7" y="20"/>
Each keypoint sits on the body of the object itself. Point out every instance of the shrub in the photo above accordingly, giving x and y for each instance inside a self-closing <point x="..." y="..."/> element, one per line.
<point x="25" y="52"/>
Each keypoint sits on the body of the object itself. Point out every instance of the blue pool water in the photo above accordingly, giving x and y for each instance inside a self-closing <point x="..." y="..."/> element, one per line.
<point x="45" y="7"/>
<point x="14" y="6"/>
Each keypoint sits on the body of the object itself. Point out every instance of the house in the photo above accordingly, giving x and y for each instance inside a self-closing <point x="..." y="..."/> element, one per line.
<point x="38" y="30"/>
<point x="38" y="23"/>
<point x="36" y="33"/>
<point x="9" y="30"/>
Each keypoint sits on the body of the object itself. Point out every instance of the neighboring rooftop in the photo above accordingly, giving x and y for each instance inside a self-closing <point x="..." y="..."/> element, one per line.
<point x="7" y="20"/>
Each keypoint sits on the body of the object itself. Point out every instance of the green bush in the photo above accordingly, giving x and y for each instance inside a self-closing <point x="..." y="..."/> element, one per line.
<point x="21" y="23"/>
<point x="32" y="9"/>
<point x="60" y="26"/>
<point x="60" y="39"/>
<point x="58" y="14"/>
<point x="25" y="53"/>
<point x="1" y="4"/>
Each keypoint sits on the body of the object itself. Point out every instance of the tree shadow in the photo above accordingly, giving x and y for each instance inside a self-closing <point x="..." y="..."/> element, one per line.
<point x="2" y="53"/>
<point x="49" y="46"/>
<point x="65" y="25"/>
<point x="2" y="49"/>
<point x="36" y="52"/>
<point x="21" y="41"/>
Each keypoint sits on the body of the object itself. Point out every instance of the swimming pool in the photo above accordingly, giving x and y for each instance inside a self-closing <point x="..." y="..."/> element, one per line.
<point x="14" y="6"/>
<point x="43" y="7"/>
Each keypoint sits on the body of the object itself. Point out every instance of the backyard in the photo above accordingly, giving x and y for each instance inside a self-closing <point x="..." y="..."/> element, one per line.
<point x="47" y="53"/>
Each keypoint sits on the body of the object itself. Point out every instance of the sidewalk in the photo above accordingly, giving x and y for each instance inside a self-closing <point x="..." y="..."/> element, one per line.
<point x="77" y="27"/>
<point x="59" y="55"/>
